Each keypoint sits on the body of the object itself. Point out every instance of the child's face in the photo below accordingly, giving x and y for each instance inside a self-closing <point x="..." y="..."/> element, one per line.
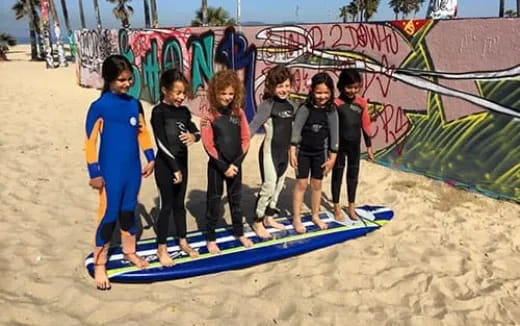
<point x="352" y="89"/>
<point x="122" y="83"/>
<point x="321" y="95"/>
<point x="174" y="95"/>
<point x="226" y="96"/>
<point x="283" y="89"/>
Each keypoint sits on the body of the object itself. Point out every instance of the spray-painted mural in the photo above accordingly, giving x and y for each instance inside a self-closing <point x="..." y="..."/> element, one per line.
<point x="444" y="95"/>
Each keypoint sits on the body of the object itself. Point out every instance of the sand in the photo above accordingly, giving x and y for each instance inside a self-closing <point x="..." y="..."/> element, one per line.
<point x="449" y="257"/>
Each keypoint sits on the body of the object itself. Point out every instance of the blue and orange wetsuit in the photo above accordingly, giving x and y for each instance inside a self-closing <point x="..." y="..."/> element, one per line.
<point x="119" y="119"/>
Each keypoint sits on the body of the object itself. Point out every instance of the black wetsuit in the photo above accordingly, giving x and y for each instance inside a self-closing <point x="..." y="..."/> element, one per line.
<point x="353" y="120"/>
<point x="226" y="140"/>
<point x="315" y="132"/>
<point x="168" y="122"/>
<point x="276" y="115"/>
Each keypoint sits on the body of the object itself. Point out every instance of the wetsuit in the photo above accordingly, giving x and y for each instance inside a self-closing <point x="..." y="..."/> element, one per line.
<point x="315" y="133"/>
<point x="119" y="119"/>
<point x="226" y="140"/>
<point x="353" y="120"/>
<point x="276" y="115"/>
<point x="172" y="155"/>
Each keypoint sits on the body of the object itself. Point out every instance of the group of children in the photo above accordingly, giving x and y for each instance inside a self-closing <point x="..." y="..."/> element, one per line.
<point x="314" y="139"/>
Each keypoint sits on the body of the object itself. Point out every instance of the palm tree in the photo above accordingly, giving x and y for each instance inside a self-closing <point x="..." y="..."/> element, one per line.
<point x="368" y="8"/>
<point x="6" y="40"/>
<point x="122" y="11"/>
<point x="155" y="19"/>
<point x="510" y="13"/>
<point x="204" y="8"/>
<point x="343" y="13"/>
<point x="81" y="14"/>
<point x="396" y="6"/>
<point x="146" y="14"/>
<point x="98" y="15"/>
<point x="27" y="9"/>
<point x="501" y="8"/>
<point x="353" y="9"/>
<point x="517" y="8"/>
<point x="216" y="17"/>
<point x="405" y="7"/>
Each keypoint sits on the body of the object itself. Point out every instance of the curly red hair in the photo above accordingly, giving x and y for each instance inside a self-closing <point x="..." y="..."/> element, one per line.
<point x="220" y="81"/>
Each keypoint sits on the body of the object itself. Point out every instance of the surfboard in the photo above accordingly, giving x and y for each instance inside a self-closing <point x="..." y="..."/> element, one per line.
<point x="285" y="243"/>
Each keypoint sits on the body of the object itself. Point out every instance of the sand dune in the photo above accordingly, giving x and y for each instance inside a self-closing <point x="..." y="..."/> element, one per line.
<point x="449" y="257"/>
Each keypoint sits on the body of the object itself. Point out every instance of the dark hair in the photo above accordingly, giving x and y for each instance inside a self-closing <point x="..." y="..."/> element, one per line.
<point x="322" y="78"/>
<point x="348" y="76"/>
<point x="169" y="77"/>
<point x="275" y="76"/>
<point x="220" y="81"/>
<point x="112" y="67"/>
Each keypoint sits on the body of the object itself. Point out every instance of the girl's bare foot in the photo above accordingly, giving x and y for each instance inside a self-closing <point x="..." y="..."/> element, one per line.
<point x="164" y="257"/>
<point x="260" y="230"/>
<point x="338" y="213"/>
<point x="351" y="211"/>
<point x="270" y="221"/>
<point x="316" y="220"/>
<point x="245" y="241"/>
<point x="185" y="246"/>
<point x="212" y="247"/>
<point x="298" y="225"/>
<point x="101" y="277"/>
<point x="135" y="260"/>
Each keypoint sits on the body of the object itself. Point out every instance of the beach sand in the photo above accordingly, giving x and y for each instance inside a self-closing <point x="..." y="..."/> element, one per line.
<point x="449" y="257"/>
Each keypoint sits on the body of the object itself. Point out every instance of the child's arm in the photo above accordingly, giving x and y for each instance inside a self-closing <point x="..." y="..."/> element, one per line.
<point x="244" y="138"/>
<point x="192" y="128"/>
<point x="160" y="138"/>
<point x="365" y="128"/>
<point x="261" y="116"/>
<point x="333" y="141"/>
<point x="145" y="142"/>
<point x="93" y="126"/>
<point x="299" y="121"/>
<point x="206" y="131"/>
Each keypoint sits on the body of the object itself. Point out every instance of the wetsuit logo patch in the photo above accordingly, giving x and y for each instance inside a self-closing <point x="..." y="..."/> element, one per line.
<point x="285" y="114"/>
<point x="355" y="108"/>
<point x="182" y="127"/>
<point x="234" y="120"/>
<point x="316" y="128"/>
<point x="133" y="121"/>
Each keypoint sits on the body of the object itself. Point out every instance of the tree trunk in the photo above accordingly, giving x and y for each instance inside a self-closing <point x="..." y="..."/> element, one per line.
<point x="146" y="14"/>
<point x="155" y="19"/>
<point x="501" y="8"/>
<point x="517" y="8"/>
<point x="81" y="14"/>
<point x="204" y="10"/>
<point x="66" y="16"/>
<point x="32" y="32"/>
<point x="57" y="32"/>
<point x="98" y="15"/>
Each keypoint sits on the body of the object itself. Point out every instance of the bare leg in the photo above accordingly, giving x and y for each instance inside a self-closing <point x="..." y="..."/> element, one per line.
<point x="185" y="246"/>
<point x="212" y="247"/>
<point x="164" y="257"/>
<point x="338" y="213"/>
<point x="315" y="203"/>
<point x="100" y="270"/>
<point x="299" y="191"/>
<point x="128" y="242"/>
<point x="258" y="227"/>
<point x="352" y="212"/>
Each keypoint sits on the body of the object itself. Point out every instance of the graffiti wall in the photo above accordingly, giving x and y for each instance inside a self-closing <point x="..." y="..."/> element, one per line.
<point x="444" y="96"/>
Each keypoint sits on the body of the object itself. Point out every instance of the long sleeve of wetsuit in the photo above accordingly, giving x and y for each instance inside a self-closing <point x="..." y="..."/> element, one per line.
<point x="93" y="126"/>
<point x="143" y="137"/>
<point x="365" y="122"/>
<point x="244" y="138"/>
<point x="262" y="114"/>
<point x="332" y="117"/>
<point x="208" y="141"/>
<point x="192" y="128"/>
<point x="299" y="121"/>
<point x="161" y="139"/>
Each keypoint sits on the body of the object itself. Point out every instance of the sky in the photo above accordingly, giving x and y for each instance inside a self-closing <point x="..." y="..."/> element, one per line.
<point x="180" y="13"/>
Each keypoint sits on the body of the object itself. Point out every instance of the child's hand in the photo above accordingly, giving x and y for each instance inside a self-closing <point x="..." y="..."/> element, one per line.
<point x="148" y="169"/>
<point x="177" y="177"/>
<point x="187" y="138"/>
<point x="97" y="183"/>
<point x="370" y="154"/>
<point x="327" y="166"/>
<point x="231" y="171"/>
<point x="292" y="157"/>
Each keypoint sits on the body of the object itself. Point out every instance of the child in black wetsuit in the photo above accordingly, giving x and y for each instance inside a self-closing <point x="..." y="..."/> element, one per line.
<point x="276" y="114"/>
<point x="225" y="136"/>
<point x="174" y="132"/>
<point x="314" y="144"/>
<point x="353" y="120"/>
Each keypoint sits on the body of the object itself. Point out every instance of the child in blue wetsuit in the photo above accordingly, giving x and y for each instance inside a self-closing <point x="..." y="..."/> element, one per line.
<point x="174" y="131"/>
<point x="276" y="114"/>
<point x="115" y="170"/>
<point x="314" y="144"/>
